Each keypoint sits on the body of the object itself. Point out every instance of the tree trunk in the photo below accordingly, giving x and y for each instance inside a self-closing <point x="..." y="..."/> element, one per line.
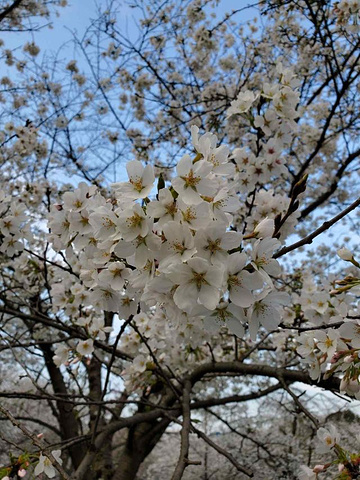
<point x="140" y="442"/>
<point x="129" y="465"/>
<point x="68" y="423"/>
<point x="103" y="467"/>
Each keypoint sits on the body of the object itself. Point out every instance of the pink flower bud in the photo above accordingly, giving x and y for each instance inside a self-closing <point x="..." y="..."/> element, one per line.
<point x="335" y="357"/>
<point x="318" y="468"/>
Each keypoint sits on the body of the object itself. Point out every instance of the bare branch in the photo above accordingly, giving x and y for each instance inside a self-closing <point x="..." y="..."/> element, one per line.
<point x="325" y="226"/>
<point x="183" y="461"/>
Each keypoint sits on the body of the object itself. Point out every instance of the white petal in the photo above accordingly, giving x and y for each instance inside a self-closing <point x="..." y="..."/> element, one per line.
<point x="211" y="325"/>
<point x="235" y="327"/>
<point x="242" y="297"/>
<point x="184" y="165"/>
<point x="49" y="470"/>
<point x="215" y="276"/>
<point x="148" y="175"/>
<point x="134" y="169"/>
<point x="185" y="296"/>
<point x="209" y="297"/>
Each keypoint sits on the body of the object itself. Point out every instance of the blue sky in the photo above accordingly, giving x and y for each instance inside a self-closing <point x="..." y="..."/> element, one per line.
<point x="78" y="14"/>
<point x="76" y="18"/>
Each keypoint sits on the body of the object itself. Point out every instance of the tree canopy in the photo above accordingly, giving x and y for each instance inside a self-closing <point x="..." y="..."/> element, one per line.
<point x="179" y="242"/>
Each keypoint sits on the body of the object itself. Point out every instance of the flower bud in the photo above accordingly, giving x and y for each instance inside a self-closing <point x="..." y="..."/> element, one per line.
<point x="349" y="386"/>
<point x="345" y="254"/>
<point x="335" y="357"/>
<point x="265" y="228"/>
<point x="318" y="468"/>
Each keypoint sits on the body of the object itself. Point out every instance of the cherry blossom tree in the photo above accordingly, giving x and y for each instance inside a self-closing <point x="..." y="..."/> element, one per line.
<point x="135" y="305"/>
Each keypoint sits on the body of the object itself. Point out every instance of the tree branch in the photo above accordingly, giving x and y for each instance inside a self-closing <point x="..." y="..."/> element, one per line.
<point x="36" y="441"/>
<point x="9" y="9"/>
<point x="325" y="226"/>
<point x="183" y="461"/>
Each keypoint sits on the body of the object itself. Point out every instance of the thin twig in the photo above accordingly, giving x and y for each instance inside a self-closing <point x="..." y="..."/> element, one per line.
<point x="36" y="441"/>
<point x="325" y="226"/>
<point x="223" y="452"/>
<point x="310" y="416"/>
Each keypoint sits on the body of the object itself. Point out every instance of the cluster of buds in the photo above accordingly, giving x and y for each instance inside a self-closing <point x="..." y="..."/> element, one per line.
<point x="348" y="464"/>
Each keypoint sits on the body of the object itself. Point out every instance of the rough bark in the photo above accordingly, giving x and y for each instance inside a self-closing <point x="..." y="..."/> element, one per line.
<point x="141" y="440"/>
<point x="102" y="466"/>
<point x="68" y="423"/>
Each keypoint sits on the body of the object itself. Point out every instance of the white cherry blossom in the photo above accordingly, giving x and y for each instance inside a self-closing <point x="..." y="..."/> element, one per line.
<point x="133" y="222"/>
<point x="243" y="103"/>
<point x="140" y="182"/>
<point x="85" y="347"/>
<point x="45" y="465"/>
<point x="165" y="208"/>
<point x="198" y="281"/>
<point x="240" y="282"/>
<point x="191" y="182"/>
<point x="114" y="275"/>
<point x="213" y="243"/>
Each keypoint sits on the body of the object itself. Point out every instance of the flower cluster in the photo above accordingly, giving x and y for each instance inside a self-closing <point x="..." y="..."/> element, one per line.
<point x="13" y="224"/>
<point x="181" y="257"/>
<point x="272" y="112"/>
<point x="346" y="11"/>
<point x="20" y="465"/>
<point x="347" y="463"/>
<point x="178" y="255"/>
<point x="332" y="350"/>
